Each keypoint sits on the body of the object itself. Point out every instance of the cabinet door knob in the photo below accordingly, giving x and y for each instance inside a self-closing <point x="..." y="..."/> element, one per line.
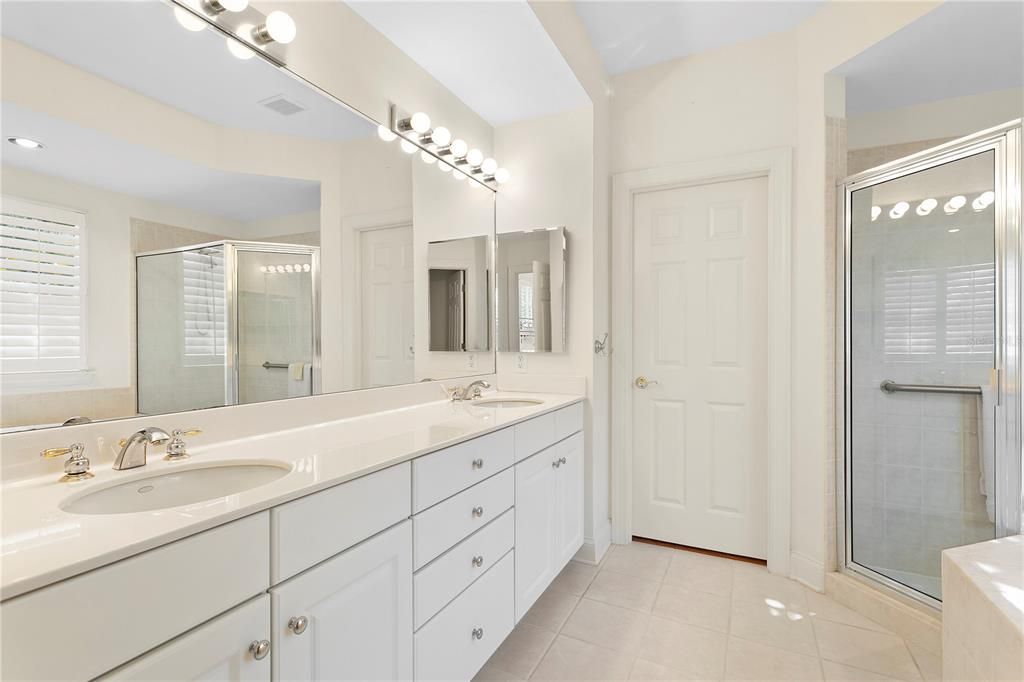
<point x="557" y="463"/>
<point x="478" y="511"/>
<point x="478" y="560"/>
<point x="561" y="460"/>
<point x="259" y="648"/>
<point x="478" y="463"/>
<point x="478" y="633"/>
<point x="298" y="624"/>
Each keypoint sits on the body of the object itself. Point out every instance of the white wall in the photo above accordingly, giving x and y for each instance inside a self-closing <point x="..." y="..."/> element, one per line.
<point x="954" y="117"/>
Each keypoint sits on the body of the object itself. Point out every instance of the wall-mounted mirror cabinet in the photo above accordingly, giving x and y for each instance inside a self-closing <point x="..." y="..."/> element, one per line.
<point x="530" y="276"/>
<point x="198" y="227"/>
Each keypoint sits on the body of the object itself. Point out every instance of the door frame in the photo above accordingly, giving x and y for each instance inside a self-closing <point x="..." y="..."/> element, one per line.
<point x="775" y="165"/>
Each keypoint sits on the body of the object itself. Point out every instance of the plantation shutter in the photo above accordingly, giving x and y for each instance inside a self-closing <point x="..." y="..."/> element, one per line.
<point x="970" y="309"/>
<point x="42" y="288"/>
<point x="911" y="312"/>
<point x="203" y="292"/>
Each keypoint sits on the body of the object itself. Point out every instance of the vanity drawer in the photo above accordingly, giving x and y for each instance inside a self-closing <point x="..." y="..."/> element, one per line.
<point x="306" y="531"/>
<point x="440" y="475"/>
<point x="442" y="580"/>
<point x="444" y="524"/>
<point x="84" y="626"/>
<point x="535" y="434"/>
<point x="460" y="639"/>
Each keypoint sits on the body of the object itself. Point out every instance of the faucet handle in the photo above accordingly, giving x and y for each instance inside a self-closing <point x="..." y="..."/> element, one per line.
<point x="76" y="468"/>
<point x="177" y="449"/>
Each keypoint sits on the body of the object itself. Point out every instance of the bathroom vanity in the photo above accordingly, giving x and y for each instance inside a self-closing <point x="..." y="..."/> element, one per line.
<point x="410" y="555"/>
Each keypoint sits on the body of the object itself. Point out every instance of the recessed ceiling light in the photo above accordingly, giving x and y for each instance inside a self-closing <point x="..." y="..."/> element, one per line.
<point x="953" y="230"/>
<point x="25" y="143"/>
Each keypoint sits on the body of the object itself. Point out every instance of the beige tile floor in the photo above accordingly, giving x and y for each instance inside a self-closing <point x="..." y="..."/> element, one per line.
<point x="654" y="613"/>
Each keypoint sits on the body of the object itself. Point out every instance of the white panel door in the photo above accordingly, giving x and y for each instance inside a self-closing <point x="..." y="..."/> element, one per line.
<point x="217" y="650"/>
<point x="358" y="614"/>
<point x="387" y="307"/>
<point x="700" y="338"/>
<point x="536" y="529"/>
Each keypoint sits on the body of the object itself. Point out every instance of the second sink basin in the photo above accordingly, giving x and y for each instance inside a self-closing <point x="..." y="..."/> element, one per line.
<point x="176" y="488"/>
<point x="508" y="402"/>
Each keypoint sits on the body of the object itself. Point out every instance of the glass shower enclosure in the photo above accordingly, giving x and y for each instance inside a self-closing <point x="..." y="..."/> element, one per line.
<point x="226" y="323"/>
<point x="931" y="359"/>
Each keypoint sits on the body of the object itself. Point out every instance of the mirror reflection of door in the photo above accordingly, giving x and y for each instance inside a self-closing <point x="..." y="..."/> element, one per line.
<point x="447" y="310"/>
<point x="531" y="289"/>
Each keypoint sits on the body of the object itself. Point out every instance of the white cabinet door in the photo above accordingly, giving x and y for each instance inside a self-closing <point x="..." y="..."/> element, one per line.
<point x="218" y="650"/>
<point x="536" y="493"/>
<point x="569" y="509"/>
<point x="358" y="614"/>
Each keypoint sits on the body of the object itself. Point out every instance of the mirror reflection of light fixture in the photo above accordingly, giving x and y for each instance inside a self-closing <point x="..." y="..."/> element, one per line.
<point x="983" y="201"/>
<point x="278" y="27"/>
<point x="875" y="212"/>
<point x="954" y="204"/>
<point x="926" y="206"/>
<point x="445" y="168"/>
<point x="898" y="210"/>
<point x="385" y="134"/>
<point x="188" y="21"/>
<point x="427" y="157"/>
<point x="408" y="147"/>
<point x="459" y="175"/>
<point x="238" y="49"/>
<point x="25" y="143"/>
<point x="215" y="7"/>
<point x="501" y="176"/>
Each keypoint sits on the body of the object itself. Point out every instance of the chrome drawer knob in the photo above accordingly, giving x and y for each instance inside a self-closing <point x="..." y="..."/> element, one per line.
<point x="478" y="463"/>
<point x="478" y="561"/>
<point x="259" y="649"/>
<point x="557" y="463"/>
<point x="478" y="633"/>
<point x="561" y="460"/>
<point x="478" y="511"/>
<point x="298" y="624"/>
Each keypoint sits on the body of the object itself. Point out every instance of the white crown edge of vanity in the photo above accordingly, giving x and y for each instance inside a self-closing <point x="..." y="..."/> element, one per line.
<point x="59" y="545"/>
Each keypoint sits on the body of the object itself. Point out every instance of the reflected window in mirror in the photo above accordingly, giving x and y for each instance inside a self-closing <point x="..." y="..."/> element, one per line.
<point x="531" y="291"/>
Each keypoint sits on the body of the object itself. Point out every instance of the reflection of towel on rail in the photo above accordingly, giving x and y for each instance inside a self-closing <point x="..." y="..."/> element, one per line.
<point x="300" y="379"/>
<point x="986" y="448"/>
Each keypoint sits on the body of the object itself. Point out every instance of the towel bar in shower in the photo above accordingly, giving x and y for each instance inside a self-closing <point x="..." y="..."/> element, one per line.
<point x="890" y="386"/>
<point x="275" y="365"/>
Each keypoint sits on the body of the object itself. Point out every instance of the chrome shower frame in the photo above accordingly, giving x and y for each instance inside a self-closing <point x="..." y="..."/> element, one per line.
<point x="1005" y="142"/>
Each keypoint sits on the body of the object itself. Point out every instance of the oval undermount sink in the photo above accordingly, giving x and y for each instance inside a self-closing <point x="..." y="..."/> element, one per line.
<point x="508" y="402"/>
<point x="176" y="488"/>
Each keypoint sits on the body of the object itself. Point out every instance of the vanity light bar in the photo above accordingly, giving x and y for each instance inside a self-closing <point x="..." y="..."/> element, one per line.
<point x="438" y="144"/>
<point x="926" y="206"/>
<point x="248" y="30"/>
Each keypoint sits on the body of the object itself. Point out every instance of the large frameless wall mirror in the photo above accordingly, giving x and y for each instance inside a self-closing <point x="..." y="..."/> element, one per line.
<point x="197" y="227"/>
<point x="531" y="291"/>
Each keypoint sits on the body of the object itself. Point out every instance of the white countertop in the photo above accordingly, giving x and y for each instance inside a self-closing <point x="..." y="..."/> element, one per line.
<point x="41" y="543"/>
<point x="996" y="569"/>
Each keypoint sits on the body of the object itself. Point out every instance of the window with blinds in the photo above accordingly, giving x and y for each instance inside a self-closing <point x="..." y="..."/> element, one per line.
<point x="203" y="301"/>
<point x="42" y="288"/>
<point x="934" y="312"/>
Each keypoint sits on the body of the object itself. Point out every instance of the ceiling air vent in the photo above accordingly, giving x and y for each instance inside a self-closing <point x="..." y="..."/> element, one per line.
<point x="282" y="105"/>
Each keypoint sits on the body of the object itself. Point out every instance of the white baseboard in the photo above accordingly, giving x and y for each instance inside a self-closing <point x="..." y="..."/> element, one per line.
<point x="593" y="549"/>
<point x="806" y="570"/>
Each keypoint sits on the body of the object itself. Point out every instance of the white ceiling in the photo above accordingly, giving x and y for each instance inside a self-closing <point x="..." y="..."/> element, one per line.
<point x="632" y="35"/>
<point x="494" y="56"/>
<point x="140" y="45"/>
<point x="957" y="49"/>
<point x="89" y="157"/>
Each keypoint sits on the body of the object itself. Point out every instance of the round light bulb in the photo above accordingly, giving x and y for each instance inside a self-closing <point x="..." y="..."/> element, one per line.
<point x="501" y="176"/>
<point x="408" y="147"/>
<point x="188" y="20"/>
<point x="489" y="166"/>
<point x="898" y="210"/>
<point x="445" y="168"/>
<point x="420" y="122"/>
<point x="263" y="268"/>
<point x="927" y="206"/>
<point x="459" y="175"/>
<point x="306" y="267"/>
<point x="441" y="136"/>
<point x="289" y="268"/>
<point x="280" y="268"/>
<point x="427" y="157"/>
<point x="988" y="197"/>
<point x="233" y="5"/>
<point x="459" y="148"/>
<point x="238" y="49"/>
<point x="475" y="157"/>
<point x="384" y="133"/>
<point x="280" y="27"/>
<point x="875" y="212"/>
<point x="957" y="202"/>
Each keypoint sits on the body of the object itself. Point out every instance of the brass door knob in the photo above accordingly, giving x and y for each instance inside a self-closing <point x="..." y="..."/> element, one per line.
<point x="643" y="382"/>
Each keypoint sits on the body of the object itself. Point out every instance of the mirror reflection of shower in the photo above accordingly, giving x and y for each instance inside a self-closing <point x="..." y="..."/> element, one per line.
<point x="225" y="323"/>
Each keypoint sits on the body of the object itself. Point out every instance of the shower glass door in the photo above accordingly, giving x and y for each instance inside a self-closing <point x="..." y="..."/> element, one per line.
<point x="921" y="351"/>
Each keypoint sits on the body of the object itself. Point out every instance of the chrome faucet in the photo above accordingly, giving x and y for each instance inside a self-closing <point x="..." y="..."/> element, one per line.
<point x="471" y="391"/>
<point x="129" y="457"/>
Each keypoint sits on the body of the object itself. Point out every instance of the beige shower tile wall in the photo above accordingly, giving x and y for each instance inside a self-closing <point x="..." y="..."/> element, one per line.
<point x="862" y="159"/>
<point x="835" y="171"/>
